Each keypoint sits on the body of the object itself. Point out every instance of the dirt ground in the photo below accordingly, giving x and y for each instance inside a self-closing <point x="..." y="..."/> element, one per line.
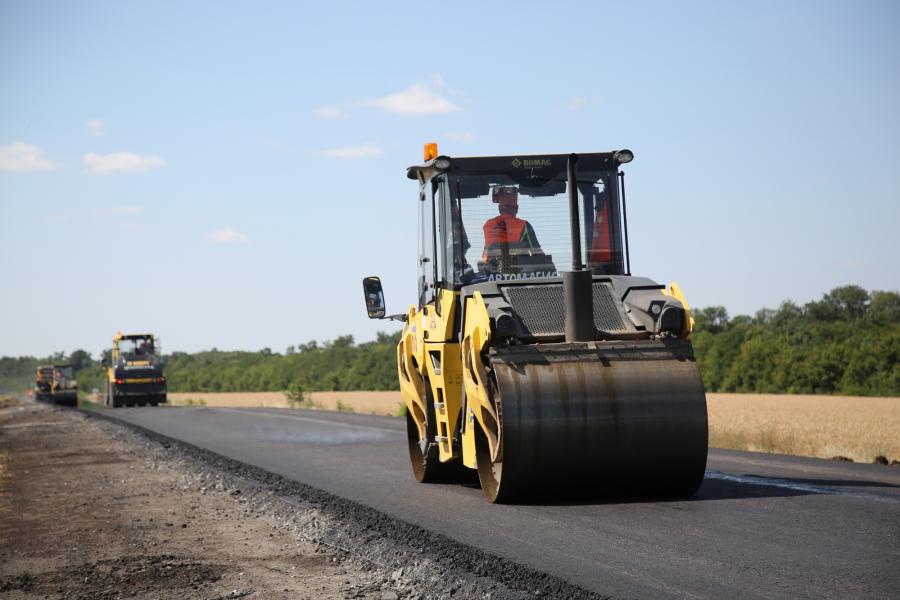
<point x="85" y="515"/>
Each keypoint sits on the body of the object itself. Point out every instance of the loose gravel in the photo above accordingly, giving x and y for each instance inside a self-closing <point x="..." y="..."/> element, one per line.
<point x="404" y="560"/>
<point x="222" y="529"/>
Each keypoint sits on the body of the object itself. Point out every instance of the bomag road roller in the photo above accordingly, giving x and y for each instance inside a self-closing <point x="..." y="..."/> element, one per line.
<point x="43" y="383"/>
<point x="534" y="356"/>
<point x="64" y="387"/>
<point x="134" y="373"/>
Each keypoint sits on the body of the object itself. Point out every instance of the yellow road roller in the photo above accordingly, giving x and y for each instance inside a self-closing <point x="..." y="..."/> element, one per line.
<point x="533" y="355"/>
<point x="134" y="371"/>
<point x="65" y="386"/>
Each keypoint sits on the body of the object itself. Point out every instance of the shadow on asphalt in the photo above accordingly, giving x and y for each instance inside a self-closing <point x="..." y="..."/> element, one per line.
<point x="712" y="489"/>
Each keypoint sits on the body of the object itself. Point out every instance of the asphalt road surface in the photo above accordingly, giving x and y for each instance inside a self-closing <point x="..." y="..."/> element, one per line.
<point x="761" y="526"/>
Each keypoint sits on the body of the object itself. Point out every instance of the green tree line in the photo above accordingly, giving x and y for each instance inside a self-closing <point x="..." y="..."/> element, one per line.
<point x="846" y="343"/>
<point x="336" y="365"/>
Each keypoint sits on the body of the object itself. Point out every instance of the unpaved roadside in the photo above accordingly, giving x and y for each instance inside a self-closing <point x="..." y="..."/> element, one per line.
<point x="91" y="508"/>
<point x="86" y="515"/>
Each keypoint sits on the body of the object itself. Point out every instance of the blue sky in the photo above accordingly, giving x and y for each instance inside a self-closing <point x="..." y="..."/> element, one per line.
<point x="224" y="174"/>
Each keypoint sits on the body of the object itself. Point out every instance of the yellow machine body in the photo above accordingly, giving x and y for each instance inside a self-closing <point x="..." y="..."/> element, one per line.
<point x="134" y="373"/>
<point x="542" y="380"/>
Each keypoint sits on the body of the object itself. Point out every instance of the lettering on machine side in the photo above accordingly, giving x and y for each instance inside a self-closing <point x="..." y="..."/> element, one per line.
<point x="537" y="162"/>
<point x="508" y="276"/>
<point x="531" y="163"/>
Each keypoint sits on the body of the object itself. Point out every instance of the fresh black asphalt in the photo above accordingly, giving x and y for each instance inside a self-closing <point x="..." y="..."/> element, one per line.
<point x="761" y="526"/>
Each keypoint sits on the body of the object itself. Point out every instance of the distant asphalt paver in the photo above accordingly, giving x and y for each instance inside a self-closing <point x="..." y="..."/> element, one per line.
<point x="761" y="526"/>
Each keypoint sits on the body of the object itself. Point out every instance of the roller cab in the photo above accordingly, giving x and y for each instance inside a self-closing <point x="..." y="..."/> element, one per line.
<point x="533" y="357"/>
<point x="134" y="372"/>
<point x="64" y="387"/>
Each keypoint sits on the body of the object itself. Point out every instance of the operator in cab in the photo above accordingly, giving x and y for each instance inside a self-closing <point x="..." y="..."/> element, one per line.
<point x="506" y="234"/>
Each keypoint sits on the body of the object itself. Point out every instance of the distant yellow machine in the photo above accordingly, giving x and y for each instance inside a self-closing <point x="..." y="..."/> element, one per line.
<point x="43" y="383"/>
<point x="544" y="381"/>
<point x="56" y="384"/>
<point x="134" y="374"/>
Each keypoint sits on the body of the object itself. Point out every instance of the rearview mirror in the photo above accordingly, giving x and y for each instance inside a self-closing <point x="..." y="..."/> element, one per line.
<point x="374" y="297"/>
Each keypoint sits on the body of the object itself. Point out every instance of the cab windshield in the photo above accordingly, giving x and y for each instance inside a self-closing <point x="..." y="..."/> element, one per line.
<point x="64" y="372"/>
<point x="136" y="346"/>
<point x="518" y="228"/>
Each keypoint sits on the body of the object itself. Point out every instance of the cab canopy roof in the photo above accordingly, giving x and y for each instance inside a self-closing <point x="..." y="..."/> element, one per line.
<point x="131" y="336"/>
<point x="535" y="165"/>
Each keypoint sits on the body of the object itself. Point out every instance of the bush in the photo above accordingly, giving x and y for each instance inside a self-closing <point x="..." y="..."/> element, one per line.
<point x="846" y="343"/>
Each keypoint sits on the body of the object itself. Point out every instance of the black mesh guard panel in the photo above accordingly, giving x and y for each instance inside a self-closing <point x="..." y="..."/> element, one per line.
<point x="606" y="314"/>
<point x="541" y="309"/>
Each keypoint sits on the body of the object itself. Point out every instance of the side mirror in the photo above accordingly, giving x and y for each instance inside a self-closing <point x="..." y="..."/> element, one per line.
<point x="374" y="297"/>
<point x="104" y="363"/>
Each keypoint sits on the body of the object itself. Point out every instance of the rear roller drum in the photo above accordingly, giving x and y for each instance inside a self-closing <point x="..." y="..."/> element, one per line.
<point x="423" y="454"/>
<point x="490" y="473"/>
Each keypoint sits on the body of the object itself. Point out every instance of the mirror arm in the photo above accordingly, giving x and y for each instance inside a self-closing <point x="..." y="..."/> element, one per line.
<point x="401" y="317"/>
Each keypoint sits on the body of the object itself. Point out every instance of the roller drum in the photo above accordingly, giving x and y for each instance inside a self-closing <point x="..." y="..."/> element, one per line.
<point x="66" y="398"/>
<point x="617" y="419"/>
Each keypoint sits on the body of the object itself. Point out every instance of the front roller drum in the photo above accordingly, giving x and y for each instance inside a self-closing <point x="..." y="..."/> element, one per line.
<point x="591" y="419"/>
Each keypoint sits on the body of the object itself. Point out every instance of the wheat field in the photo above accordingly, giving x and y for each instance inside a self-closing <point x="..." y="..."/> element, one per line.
<point x="820" y="426"/>
<point x="374" y="403"/>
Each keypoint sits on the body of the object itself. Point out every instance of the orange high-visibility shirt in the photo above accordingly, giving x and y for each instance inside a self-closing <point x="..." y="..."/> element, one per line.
<point x="503" y="230"/>
<point x="600" y="246"/>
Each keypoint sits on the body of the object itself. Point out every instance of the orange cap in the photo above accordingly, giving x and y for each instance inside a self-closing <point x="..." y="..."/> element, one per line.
<point x="430" y="151"/>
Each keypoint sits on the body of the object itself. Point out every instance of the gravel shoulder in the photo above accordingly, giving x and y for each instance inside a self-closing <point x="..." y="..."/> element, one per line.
<point x="88" y="513"/>
<point x="94" y="509"/>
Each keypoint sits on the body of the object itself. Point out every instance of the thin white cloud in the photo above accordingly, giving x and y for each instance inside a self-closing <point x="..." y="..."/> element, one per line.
<point x="23" y="157"/>
<point x="579" y="102"/>
<point x="423" y="98"/>
<point x="227" y="236"/>
<point x="95" y="127"/>
<point x="459" y="136"/>
<point x="364" y="151"/>
<point x="127" y="209"/>
<point x="329" y="112"/>
<point x="120" y="162"/>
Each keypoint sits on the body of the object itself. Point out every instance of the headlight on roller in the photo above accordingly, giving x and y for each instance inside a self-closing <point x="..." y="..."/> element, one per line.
<point x="671" y="320"/>
<point x="442" y="163"/>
